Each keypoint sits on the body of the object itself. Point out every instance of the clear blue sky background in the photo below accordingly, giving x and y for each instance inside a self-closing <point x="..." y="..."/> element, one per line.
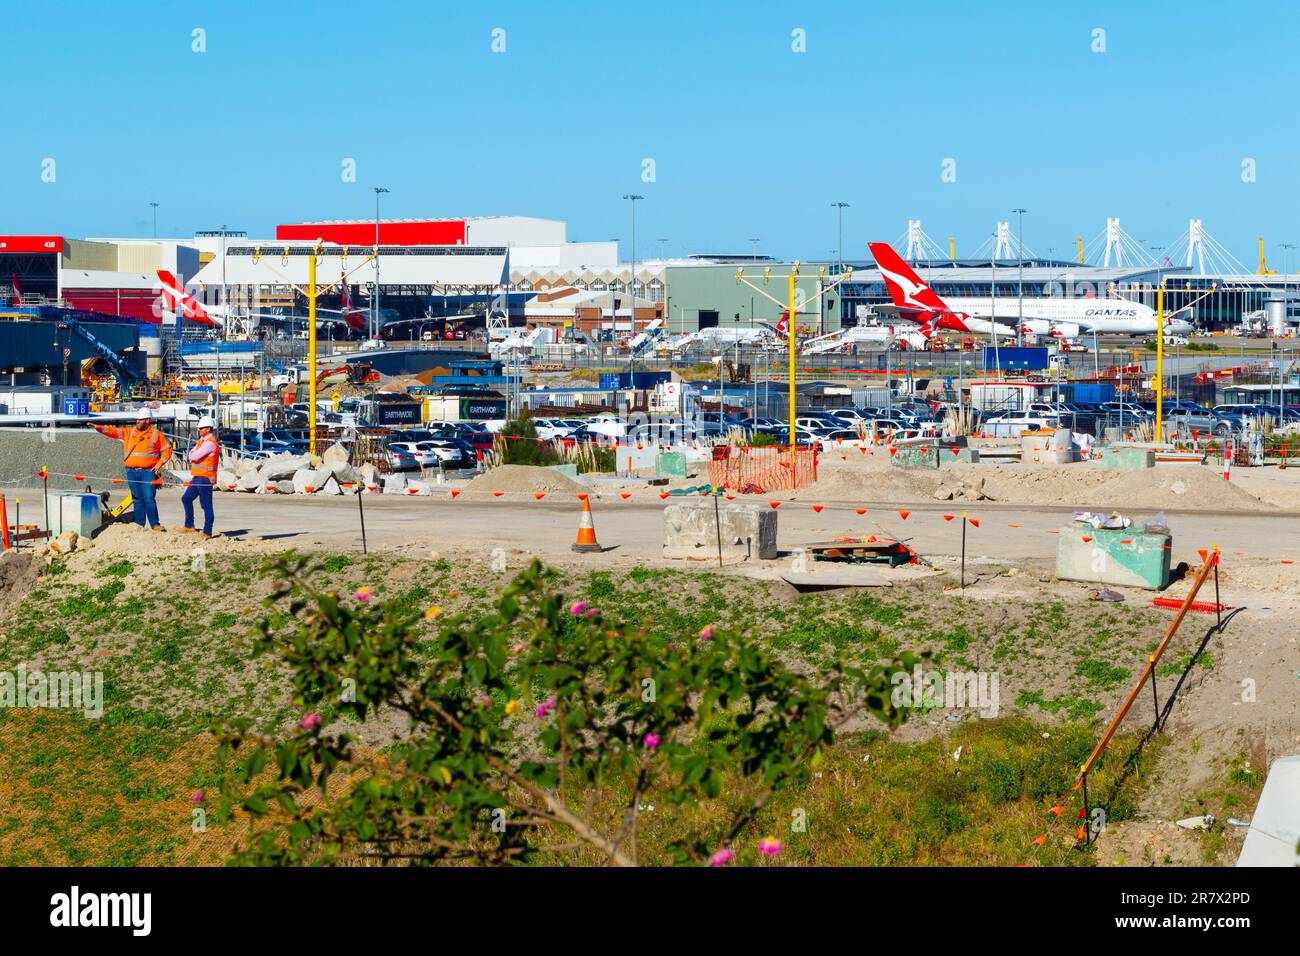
<point x="749" y="138"/>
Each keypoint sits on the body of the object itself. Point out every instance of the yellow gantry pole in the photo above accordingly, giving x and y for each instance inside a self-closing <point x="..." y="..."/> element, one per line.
<point x="311" y="350"/>
<point x="1160" y="361"/>
<point x="1078" y="241"/>
<point x="789" y="326"/>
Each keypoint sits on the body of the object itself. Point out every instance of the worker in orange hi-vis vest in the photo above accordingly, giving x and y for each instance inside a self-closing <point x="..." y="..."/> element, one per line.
<point x="203" y="476"/>
<point x="145" y="450"/>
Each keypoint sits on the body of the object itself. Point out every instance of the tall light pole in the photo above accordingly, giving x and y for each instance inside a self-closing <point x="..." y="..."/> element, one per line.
<point x="1020" y="275"/>
<point x="632" y="198"/>
<point x="374" y="318"/>
<point x="754" y="243"/>
<point x="155" y="219"/>
<point x="839" y="207"/>
<point x="663" y="254"/>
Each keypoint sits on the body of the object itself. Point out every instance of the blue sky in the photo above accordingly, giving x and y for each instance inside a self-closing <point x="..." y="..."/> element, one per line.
<point x="749" y="139"/>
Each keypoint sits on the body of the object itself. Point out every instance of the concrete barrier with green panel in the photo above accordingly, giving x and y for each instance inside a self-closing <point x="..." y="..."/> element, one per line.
<point x="1126" y="557"/>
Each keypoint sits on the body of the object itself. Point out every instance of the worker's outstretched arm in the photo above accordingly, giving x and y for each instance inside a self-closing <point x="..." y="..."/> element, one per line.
<point x="112" y="431"/>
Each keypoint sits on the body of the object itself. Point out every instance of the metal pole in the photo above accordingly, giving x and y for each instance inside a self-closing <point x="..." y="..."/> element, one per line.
<point x="374" y="330"/>
<point x="789" y="327"/>
<point x="963" y="550"/>
<point x="361" y="509"/>
<point x="311" y="351"/>
<point x="1160" y="361"/>
<point x="1020" y="275"/>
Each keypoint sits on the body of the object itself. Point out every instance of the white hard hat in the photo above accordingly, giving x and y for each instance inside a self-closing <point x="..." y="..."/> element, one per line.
<point x="143" y="413"/>
<point x="206" y="422"/>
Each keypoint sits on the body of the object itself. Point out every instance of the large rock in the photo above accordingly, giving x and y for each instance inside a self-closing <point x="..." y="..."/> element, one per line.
<point x="691" y="531"/>
<point x="245" y="466"/>
<point x="344" y="472"/>
<point x="419" y="488"/>
<point x="330" y="486"/>
<point x="395" y="484"/>
<point x="250" y="482"/>
<point x="369" y="474"/>
<point x="307" y="481"/>
<point x="282" y="466"/>
<point x="226" y="478"/>
<point x="285" y="487"/>
<point x="334" y="455"/>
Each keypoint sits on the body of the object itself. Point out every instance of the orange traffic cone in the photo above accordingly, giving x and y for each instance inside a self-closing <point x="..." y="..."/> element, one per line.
<point x="586" y="530"/>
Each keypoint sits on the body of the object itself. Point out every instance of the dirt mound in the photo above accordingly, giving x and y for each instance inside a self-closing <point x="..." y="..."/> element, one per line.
<point x="524" y="478"/>
<point x="18" y="573"/>
<point x="1189" y="487"/>
<point x="127" y="539"/>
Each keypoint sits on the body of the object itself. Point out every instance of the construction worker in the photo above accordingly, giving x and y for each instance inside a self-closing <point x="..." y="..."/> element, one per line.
<point x="145" y="450"/>
<point x="203" y="476"/>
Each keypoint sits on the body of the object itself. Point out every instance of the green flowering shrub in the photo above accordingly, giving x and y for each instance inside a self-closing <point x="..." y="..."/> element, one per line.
<point x="538" y="717"/>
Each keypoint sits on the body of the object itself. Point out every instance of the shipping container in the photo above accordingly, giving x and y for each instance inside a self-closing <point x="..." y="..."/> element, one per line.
<point x="1010" y="358"/>
<point x="619" y="380"/>
<point x="1093" y="392"/>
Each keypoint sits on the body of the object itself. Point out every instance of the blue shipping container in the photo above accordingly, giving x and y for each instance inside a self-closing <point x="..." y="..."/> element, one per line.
<point x="1092" y="392"/>
<point x="614" y="380"/>
<point x="1018" y="359"/>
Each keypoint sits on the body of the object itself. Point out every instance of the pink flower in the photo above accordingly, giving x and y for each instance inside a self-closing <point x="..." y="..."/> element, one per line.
<point x="362" y="594"/>
<point x="578" y="608"/>
<point x="769" y="845"/>
<point x="545" y="708"/>
<point x="517" y="649"/>
<point x="651" y="741"/>
<point x="722" y="857"/>
<point x="309" y="721"/>
<point x="706" y="632"/>
<point x="198" y="796"/>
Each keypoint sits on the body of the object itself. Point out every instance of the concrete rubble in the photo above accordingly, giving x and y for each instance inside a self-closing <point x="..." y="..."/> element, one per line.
<point x="327" y="474"/>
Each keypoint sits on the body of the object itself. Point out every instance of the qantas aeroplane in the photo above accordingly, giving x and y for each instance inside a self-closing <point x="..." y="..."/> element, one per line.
<point x="1043" y="315"/>
<point x="727" y="335"/>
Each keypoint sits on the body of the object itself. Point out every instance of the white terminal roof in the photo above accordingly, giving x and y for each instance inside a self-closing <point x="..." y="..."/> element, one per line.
<point x="440" y="266"/>
<point x="100" y="279"/>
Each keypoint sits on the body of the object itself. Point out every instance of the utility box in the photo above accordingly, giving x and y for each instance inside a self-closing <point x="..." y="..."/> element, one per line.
<point x="670" y="464"/>
<point x="1125" y="458"/>
<point x="74" y="511"/>
<point x="693" y="531"/>
<point x="1124" y="557"/>
<point x="916" y="456"/>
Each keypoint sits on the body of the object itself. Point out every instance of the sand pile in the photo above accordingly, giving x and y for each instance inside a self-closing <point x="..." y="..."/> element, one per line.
<point x="869" y="483"/>
<point x="1082" y="486"/>
<point x="525" y="478"/>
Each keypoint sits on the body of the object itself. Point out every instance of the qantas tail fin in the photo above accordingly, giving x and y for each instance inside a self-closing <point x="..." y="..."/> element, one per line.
<point x="176" y="299"/>
<point x="783" y="323"/>
<point x="355" y="319"/>
<point x="906" y="288"/>
<point x="18" y="292"/>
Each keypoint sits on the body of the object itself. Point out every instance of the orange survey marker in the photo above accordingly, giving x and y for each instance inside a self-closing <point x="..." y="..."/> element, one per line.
<point x="4" y="524"/>
<point x="586" y="530"/>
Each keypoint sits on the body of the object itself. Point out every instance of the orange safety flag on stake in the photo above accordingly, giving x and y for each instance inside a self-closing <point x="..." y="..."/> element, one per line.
<point x="904" y="514"/>
<point x="582" y="496"/>
<point x="775" y="504"/>
<point x="1205" y="555"/>
<point x="1080" y="815"/>
<point x="974" y="521"/>
<point x="625" y="495"/>
<point x="893" y="450"/>
<point x="497" y="494"/>
<point x="1038" y="840"/>
<point x="1086" y="539"/>
<point x="1058" y="810"/>
<point x="948" y="517"/>
<point x="1013" y="526"/>
<point x="412" y="491"/>
<point x="539" y="495"/>
<point x="663" y="494"/>
<point x="860" y="511"/>
<point x="956" y="452"/>
<point x="455" y="492"/>
<point x="1081" y="836"/>
<point x="863" y="449"/>
<point x="817" y="508"/>
<point x="79" y="477"/>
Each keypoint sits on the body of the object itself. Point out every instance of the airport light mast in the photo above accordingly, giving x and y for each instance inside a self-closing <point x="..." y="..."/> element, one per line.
<point x="791" y="305"/>
<point x="374" y="330"/>
<point x="1020" y="275"/>
<point x="839" y="258"/>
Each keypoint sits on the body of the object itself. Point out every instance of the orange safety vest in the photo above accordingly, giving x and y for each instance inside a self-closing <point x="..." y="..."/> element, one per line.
<point x="140" y="449"/>
<point x="206" y="467"/>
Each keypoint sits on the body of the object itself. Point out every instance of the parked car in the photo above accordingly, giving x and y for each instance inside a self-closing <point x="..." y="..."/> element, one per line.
<point x="1012" y="423"/>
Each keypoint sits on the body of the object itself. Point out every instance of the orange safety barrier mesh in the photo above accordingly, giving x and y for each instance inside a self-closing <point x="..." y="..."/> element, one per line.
<point x="769" y="468"/>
